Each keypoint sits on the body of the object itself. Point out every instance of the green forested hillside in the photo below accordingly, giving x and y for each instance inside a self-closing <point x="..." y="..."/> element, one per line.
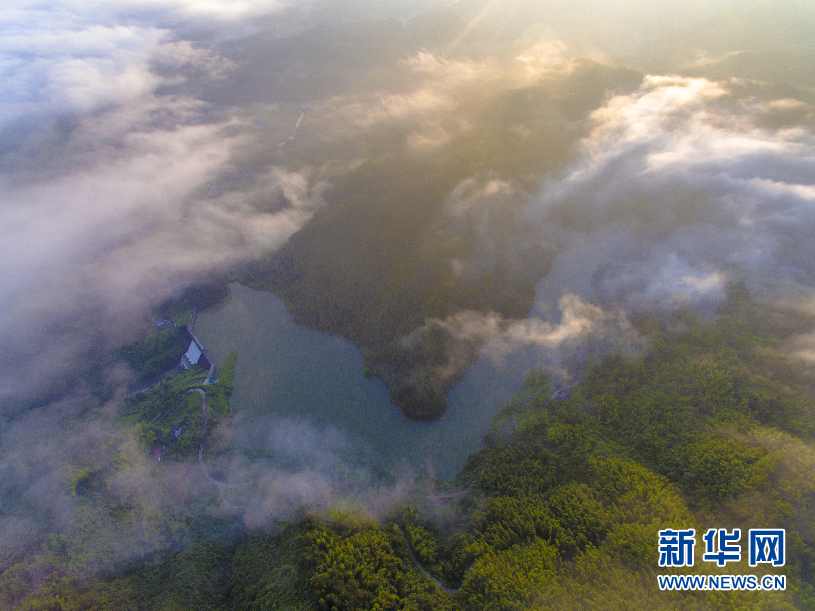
<point x="384" y="256"/>
<point x="709" y="427"/>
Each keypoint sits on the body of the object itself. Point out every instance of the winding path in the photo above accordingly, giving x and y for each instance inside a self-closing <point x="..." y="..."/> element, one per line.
<point x="220" y="485"/>
<point x="421" y="568"/>
<point x="446" y="498"/>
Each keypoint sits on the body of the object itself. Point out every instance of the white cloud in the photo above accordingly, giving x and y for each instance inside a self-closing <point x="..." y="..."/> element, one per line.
<point x="74" y="56"/>
<point x="125" y="232"/>
<point x="447" y="95"/>
<point x="562" y="344"/>
<point x="106" y="185"/>
<point x="281" y="467"/>
<point x="121" y="220"/>
<point x="72" y="67"/>
<point x="679" y="190"/>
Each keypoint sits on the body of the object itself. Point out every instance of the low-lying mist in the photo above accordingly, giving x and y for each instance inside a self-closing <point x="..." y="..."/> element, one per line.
<point x="566" y="192"/>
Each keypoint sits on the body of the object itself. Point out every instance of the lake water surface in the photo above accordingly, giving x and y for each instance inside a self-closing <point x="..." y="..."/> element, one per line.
<point x="287" y="371"/>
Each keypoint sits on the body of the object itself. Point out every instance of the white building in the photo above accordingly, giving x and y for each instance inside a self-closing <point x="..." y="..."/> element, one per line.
<point x="191" y="356"/>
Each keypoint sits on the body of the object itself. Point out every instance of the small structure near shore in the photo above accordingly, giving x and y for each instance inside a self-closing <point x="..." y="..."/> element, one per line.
<point x="191" y="356"/>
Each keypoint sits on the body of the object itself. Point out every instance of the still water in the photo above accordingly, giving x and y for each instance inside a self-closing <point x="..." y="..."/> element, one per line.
<point x="290" y="372"/>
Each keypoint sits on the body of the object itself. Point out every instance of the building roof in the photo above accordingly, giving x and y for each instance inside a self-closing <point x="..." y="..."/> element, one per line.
<point x="193" y="353"/>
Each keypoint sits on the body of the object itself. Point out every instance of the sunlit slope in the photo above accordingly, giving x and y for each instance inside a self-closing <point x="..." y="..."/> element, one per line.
<point x="426" y="137"/>
<point x="770" y="42"/>
<point x="396" y="245"/>
<point x="429" y="155"/>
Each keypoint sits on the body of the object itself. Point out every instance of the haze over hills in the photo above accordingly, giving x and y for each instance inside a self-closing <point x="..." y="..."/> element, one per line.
<point x="471" y="115"/>
<point x="433" y="140"/>
<point x="436" y="182"/>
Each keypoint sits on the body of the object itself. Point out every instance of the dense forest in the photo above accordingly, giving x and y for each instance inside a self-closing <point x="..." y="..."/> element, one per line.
<point x="606" y="207"/>
<point x="710" y="426"/>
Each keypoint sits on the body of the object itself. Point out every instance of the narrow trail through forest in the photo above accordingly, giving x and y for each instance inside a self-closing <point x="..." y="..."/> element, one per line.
<point x="421" y="568"/>
<point x="448" y="498"/>
<point x="220" y="485"/>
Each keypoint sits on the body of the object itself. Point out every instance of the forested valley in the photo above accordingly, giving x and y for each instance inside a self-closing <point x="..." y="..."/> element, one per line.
<point x="709" y="427"/>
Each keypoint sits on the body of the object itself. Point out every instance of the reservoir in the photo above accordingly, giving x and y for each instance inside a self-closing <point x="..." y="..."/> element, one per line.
<point x="315" y="381"/>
